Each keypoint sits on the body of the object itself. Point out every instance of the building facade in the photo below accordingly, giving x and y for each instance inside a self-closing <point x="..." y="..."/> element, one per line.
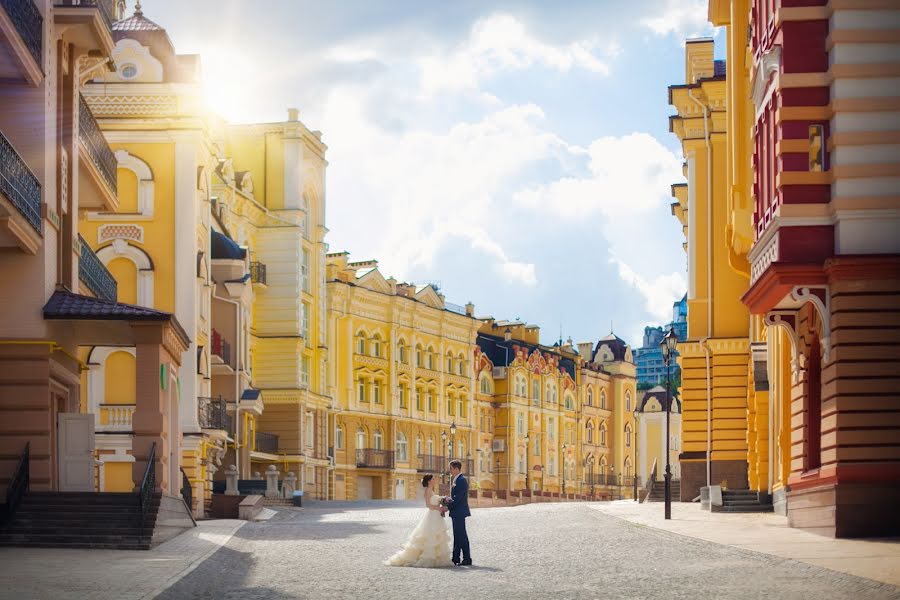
<point x="651" y="426"/>
<point x="401" y="370"/>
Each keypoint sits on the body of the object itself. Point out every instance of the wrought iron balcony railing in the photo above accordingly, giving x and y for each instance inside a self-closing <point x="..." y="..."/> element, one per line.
<point x="266" y="442"/>
<point x="92" y="138"/>
<point x="213" y="414"/>
<point x="29" y="23"/>
<point x="19" y="185"/>
<point x="374" y="458"/>
<point x="258" y="272"/>
<point x="94" y="273"/>
<point x="220" y="347"/>
<point x="430" y="463"/>
<point x="104" y="6"/>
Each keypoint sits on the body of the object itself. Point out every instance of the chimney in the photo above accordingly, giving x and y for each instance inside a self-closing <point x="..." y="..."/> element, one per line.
<point x="293" y="114"/>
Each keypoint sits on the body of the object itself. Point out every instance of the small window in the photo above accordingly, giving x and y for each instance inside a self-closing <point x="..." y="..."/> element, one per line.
<point x="339" y="438"/>
<point x="816" y="148"/>
<point x="129" y="71"/>
<point x="379" y="440"/>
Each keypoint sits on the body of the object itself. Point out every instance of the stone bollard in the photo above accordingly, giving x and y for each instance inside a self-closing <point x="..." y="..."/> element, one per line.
<point x="271" y="482"/>
<point x="256" y="475"/>
<point x="231" y="481"/>
<point x="288" y="485"/>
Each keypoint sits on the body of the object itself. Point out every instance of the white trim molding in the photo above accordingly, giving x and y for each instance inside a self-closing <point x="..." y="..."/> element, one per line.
<point x="122" y="249"/>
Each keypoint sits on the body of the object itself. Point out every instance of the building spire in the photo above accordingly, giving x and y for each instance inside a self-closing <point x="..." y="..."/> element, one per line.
<point x="137" y="9"/>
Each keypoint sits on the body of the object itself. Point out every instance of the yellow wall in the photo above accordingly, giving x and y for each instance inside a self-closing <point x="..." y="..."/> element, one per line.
<point x="118" y="477"/>
<point x="125" y="273"/>
<point x="121" y="376"/>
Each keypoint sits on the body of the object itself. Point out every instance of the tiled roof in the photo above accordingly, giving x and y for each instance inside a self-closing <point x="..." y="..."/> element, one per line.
<point x="250" y="394"/>
<point x="136" y="22"/>
<point x="66" y="305"/>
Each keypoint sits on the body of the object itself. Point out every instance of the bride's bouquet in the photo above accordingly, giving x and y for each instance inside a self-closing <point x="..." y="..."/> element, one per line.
<point x="445" y="502"/>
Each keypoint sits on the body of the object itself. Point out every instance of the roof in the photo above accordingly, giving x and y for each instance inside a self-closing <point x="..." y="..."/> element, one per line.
<point x="65" y="305"/>
<point x="136" y="22"/>
<point x="223" y="247"/>
<point x="501" y="352"/>
<point x="659" y="393"/>
<point x="617" y="346"/>
<point x="250" y="394"/>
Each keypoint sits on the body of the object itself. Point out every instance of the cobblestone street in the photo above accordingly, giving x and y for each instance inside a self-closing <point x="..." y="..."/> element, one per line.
<point x="534" y="551"/>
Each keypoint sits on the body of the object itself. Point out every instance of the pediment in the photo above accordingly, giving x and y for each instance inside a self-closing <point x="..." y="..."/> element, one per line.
<point x="375" y="281"/>
<point x="428" y="296"/>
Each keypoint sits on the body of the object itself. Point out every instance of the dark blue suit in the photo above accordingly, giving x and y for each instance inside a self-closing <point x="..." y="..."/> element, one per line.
<point x="459" y="510"/>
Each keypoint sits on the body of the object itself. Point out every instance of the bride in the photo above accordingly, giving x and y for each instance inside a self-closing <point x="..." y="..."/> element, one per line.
<point x="429" y="543"/>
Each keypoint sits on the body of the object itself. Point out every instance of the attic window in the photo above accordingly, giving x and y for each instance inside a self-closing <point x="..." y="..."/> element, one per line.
<point x="128" y="71"/>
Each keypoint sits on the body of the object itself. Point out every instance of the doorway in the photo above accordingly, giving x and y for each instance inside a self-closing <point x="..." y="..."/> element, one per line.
<point x="364" y="488"/>
<point x="400" y="490"/>
<point x="75" y="450"/>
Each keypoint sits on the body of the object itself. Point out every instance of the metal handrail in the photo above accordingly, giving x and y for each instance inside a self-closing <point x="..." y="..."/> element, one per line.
<point x="266" y="442"/>
<point x="18" y="485"/>
<point x="258" y="272"/>
<point x="29" y="23"/>
<point x="212" y="413"/>
<point x="187" y="492"/>
<point x="98" y="149"/>
<point x="20" y="185"/>
<point x="94" y="273"/>
<point x="148" y="483"/>
<point x="375" y="458"/>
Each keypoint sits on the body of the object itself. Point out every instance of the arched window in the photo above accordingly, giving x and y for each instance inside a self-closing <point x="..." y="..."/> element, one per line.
<point x="376" y="345"/>
<point x="361" y="342"/>
<point x="628" y="401"/>
<point x="379" y="440"/>
<point x="627" y="468"/>
<point x="628" y="435"/>
<point x="360" y="438"/>
<point x="462" y="449"/>
<point x="402" y="447"/>
<point x="603" y="399"/>
<point x="418" y="355"/>
<point x="590" y="396"/>
<point x="461" y="364"/>
<point x="485" y="383"/>
<point x="431" y="358"/>
<point x="590" y="433"/>
<point x="570" y="402"/>
<point x="521" y="386"/>
<point x="339" y="438"/>
<point x="536" y="390"/>
<point x="431" y="446"/>
<point x="602" y="434"/>
<point x="602" y="467"/>
<point x="418" y="445"/>
<point x="401" y="352"/>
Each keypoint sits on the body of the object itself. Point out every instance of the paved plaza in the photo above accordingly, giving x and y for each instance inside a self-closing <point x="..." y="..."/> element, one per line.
<point x="335" y="550"/>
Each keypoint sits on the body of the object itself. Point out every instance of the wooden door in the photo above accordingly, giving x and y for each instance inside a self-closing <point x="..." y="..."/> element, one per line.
<point x="76" y="452"/>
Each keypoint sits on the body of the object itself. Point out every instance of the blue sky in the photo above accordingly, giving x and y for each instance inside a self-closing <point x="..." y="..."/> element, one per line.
<point x="517" y="152"/>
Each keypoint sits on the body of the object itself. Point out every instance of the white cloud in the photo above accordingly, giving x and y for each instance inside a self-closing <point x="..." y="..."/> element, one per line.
<point x="684" y="18"/>
<point x="659" y="293"/>
<point x="501" y="42"/>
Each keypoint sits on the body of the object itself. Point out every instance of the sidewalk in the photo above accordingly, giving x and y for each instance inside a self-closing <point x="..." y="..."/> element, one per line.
<point x="41" y="573"/>
<point x="877" y="559"/>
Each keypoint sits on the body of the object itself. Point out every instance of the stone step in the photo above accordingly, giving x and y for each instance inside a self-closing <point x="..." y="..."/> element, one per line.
<point x="128" y="545"/>
<point x="748" y="509"/>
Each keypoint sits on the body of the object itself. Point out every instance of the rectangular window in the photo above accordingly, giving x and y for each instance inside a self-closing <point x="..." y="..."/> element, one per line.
<point x="304" y="321"/>
<point x="361" y="391"/>
<point x="450" y="411"/>
<point x="402" y="395"/>
<point x="430" y="402"/>
<point x="376" y="392"/>
<point x="550" y="428"/>
<point x="816" y="148"/>
<point x="304" y="271"/>
<point x="419" y="400"/>
<point x="520" y="424"/>
<point x="304" y="371"/>
<point x="462" y="408"/>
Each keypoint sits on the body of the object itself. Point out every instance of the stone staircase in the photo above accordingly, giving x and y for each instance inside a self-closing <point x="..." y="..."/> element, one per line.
<point x="81" y="520"/>
<point x="741" y="501"/>
<point x="658" y="493"/>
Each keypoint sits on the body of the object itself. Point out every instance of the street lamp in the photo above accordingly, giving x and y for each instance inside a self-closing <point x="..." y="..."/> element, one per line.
<point x="668" y="344"/>
<point x="452" y="436"/>
<point x="563" y="465"/>
<point x="526" y="460"/>
<point x="443" y="455"/>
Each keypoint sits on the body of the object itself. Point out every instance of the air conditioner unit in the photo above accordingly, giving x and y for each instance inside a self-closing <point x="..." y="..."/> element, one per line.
<point x="499" y="446"/>
<point x="499" y="373"/>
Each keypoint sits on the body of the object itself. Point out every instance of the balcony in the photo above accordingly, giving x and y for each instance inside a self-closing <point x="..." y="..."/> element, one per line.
<point x="99" y="166"/>
<point x="212" y="413"/>
<point x="22" y="25"/>
<point x="116" y="418"/>
<point x="373" y="458"/>
<point x="221" y="352"/>
<point x="258" y="273"/>
<point x="266" y="442"/>
<point x="94" y="273"/>
<point x="88" y="24"/>
<point x="21" y="223"/>
<point x="430" y="463"/>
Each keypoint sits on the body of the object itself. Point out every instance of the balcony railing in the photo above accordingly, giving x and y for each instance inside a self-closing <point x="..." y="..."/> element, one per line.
<point x="19" y="185"/>
<point x="266" y="442"/>
<point x="29" y="23"/>
<point x="104" y="6"/>
<point x="220" y="347"/>
<point x="374" y="458"/>
<point x="92" y="138"/>
<point x="94" y="273"/>
<point x="213" y="414"/>
<point x="258" y="272"/>
<point x="429" y="463"/>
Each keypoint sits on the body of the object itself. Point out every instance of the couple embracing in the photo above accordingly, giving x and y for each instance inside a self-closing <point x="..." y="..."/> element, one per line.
<point x="429" y="543"/>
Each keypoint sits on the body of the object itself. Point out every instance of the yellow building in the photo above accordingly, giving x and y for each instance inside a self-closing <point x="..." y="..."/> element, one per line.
<point x="553" y="420"/>
<point x="651" y="427"/>
<point x="715" y="358"/>
<point x="401" y="370"/>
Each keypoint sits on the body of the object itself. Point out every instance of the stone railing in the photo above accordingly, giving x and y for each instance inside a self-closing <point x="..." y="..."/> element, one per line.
<point x="94" y="273"/>
<point x="29" y="24"/>
<point x="19" y="184"/>
<point x="118" y="417"/>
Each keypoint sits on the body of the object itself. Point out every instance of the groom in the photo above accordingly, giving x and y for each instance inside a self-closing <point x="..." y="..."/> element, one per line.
<point x="458" y="506"/>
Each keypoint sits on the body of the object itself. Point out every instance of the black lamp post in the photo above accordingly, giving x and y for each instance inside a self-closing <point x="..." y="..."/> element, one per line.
<point x="668" y="344"/>
<point x="527" y="450"/>
<point x="443" y="455"/>
<point x="563" y="465"/>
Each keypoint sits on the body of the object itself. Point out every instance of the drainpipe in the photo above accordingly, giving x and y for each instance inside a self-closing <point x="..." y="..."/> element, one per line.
<point x="709" y="280"/>
<point x="237" y="378"/>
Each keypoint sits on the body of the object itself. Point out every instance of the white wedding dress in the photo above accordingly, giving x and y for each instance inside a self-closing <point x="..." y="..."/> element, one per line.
<point x="428" y="545"/>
